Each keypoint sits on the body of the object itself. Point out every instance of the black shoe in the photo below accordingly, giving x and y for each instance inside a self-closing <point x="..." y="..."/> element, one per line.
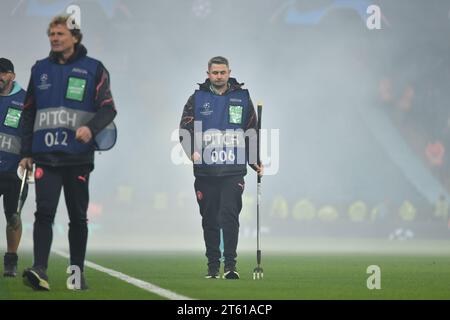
<point x="212" y="274"/>
<point x="10" y="264"/>
<point x="231" y="274"/>
<point x="82" y="286"/>
<point x="36" y="279"/>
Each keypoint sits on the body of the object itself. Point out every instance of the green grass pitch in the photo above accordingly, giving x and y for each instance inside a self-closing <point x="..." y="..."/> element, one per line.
<point x="286" y="276"/>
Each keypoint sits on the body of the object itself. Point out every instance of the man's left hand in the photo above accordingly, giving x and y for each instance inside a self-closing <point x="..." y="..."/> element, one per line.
<point x="259" y="169"/>
<point x="83" y="134"/>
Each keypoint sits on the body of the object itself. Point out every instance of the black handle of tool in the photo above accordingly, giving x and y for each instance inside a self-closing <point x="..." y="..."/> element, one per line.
<point x="258" y="141"/>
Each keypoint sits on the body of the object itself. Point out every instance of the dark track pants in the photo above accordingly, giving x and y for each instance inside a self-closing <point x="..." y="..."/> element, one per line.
<point x="220" y="201"/>
<point x="10" y="190"/>
<point x="49" y="182"/>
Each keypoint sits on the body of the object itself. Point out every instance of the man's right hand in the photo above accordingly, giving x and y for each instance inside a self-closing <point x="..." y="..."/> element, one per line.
<point x="195" y="156"/>
<point x="26" y="163"/>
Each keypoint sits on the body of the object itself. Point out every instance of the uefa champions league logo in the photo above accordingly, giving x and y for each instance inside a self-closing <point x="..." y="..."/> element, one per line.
<point x="44" y="78"/>
<point x="44" y="85"/>
<point x="206" y="109"/>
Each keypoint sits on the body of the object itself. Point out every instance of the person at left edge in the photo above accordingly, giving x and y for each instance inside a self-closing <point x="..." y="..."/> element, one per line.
<point x="68" y="103"/>
<point x="11" y="105"/>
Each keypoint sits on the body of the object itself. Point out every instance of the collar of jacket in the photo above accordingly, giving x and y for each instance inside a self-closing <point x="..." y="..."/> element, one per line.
<point x="80" y="52"/>
<point x="234" y="85"/>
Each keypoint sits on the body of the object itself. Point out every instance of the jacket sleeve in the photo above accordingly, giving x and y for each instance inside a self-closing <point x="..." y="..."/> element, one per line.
<point x="27" y="123"/>
<point x="103" y="102"/>
<point x="187" y="127"/>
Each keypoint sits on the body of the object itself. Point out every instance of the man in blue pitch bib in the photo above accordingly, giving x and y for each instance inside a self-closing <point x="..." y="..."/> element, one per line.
<point x="12" y="97"/>
<point x="220" y="125"/>
<point x="68" y="104"/>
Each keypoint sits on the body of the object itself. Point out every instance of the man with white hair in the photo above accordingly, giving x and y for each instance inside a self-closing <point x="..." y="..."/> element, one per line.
<point x="68" y="104"/>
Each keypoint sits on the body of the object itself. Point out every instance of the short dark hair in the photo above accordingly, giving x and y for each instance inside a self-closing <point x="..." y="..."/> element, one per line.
<point x="6" y="65"/>
<point x="218" y="60"/>
<point x="62" y="19"/>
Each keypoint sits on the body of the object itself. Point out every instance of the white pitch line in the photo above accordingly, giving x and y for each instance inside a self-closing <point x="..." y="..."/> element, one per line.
<point x="134" y="281"/>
